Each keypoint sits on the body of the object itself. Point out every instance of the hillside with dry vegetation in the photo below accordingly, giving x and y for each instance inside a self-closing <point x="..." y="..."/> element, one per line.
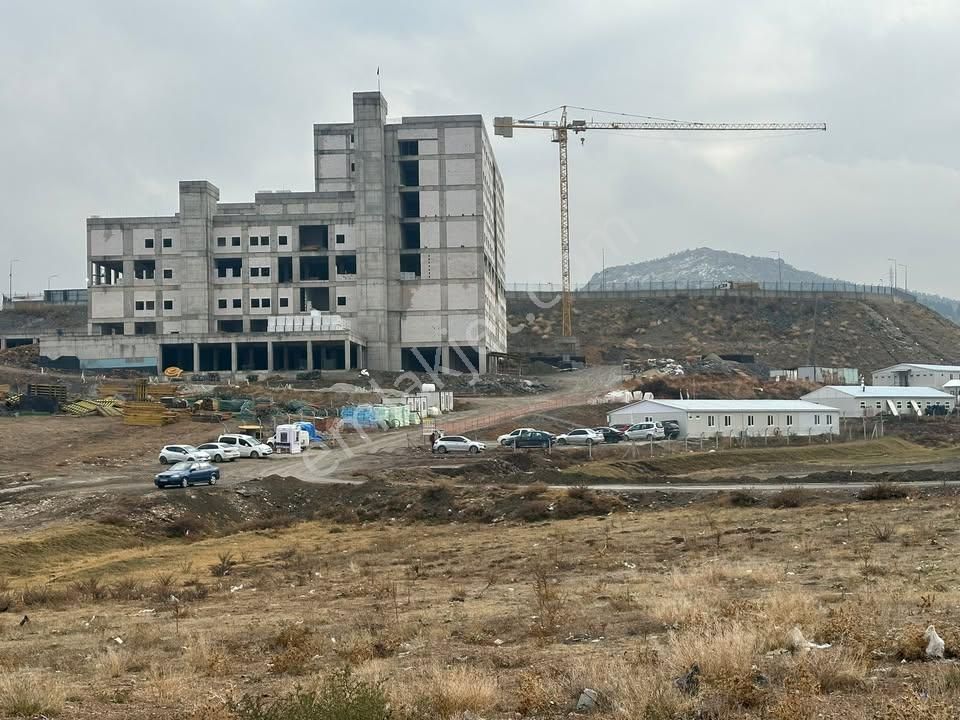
<point x="699" y="611"/>
<point x="780" y="333"/>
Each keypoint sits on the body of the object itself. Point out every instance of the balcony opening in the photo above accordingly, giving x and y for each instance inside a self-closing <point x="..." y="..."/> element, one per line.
<point x="229" y="267"/>
<point x="314" y="299"/>
<point x="230" y="326"/>
<point x="284" y="270"/>
<point x="410" y="236"/>
<point x="314" y="268"/>
<point x="214" y="357"/>
<point x="289" y="356"/>
<point x="346" y="264"/>
<point x="107" y="272"/>
<point x="144" y="269"/>
<point x="177" y="355"/>
<point x="314" y="237"/>
<point x="409" y="266"/>
<point x="410" y="204"/>
<point x="145" y="328"/>
<point x="409" y="172"/>
<point x="421" y="359"/>
<point x="464" y="359"/>
<point x="110" y="328"/>
<point x="409" y="147"/>
<point x="259" y="325"/>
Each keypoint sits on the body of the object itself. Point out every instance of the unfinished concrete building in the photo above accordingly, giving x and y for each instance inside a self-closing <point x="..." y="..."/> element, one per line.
<point x="395" y="261"/>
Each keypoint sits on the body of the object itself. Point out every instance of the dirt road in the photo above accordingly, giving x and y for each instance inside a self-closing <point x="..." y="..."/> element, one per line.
<point x="71" y="455"/>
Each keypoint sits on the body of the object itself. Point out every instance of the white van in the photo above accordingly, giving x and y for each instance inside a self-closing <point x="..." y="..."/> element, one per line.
<point x="248" y="445"/>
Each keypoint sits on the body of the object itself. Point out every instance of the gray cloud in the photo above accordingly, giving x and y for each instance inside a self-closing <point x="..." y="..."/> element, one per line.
<point x="106" y="105"/>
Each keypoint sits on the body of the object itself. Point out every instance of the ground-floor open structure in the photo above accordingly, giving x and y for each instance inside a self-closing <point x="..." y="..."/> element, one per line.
<point x="894" y="400"/>
<point x="249" y="352"/>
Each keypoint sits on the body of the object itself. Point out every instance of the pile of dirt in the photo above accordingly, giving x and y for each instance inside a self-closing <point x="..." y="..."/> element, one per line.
<point x="24" y="356"/>
<point x="276" y="501"/>
<point x="737" y="386"/>
<point x="779" y="332"/>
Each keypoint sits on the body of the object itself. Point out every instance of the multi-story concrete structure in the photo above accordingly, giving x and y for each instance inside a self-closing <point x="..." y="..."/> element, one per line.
<point x="394" y="261"/>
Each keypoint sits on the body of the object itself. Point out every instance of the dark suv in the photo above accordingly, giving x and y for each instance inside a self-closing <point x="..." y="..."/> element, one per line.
<point x="610" y="435"/>
<point x="671" y="429"/>
<point x="530" y="439"/>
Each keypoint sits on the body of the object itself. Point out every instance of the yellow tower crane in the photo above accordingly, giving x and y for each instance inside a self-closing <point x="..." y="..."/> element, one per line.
<point x="505" y="126"/>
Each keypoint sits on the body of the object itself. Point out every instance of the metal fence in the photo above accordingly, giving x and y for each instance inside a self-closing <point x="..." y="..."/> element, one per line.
<point x="704" y="289"/>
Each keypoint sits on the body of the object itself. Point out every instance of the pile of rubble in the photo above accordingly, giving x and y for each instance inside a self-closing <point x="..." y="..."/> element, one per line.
<point x="493" y="385"/>
<point x="659" y="366"/>
<point x="24" y="356"/>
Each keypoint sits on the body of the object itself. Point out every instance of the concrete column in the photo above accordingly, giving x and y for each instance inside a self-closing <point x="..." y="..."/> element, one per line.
<point x="3" y="343"/>
<point x="482" y="367"/>
<point x="196" y="357"/>
<point x="309" y="355"/>
<point x="346" y="354"/>
<point x="269" y="355"/>
<point x="445" y="357"/>
<point x="233" y="357"/>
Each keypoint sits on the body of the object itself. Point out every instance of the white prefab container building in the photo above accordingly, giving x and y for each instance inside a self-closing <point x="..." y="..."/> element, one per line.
<point x="731" y="418"/>
<point x="870" y="400"/>
<point x="916" y="375"/>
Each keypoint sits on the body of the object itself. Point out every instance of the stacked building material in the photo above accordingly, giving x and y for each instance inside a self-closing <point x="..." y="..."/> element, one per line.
<point x="147" y="413"/>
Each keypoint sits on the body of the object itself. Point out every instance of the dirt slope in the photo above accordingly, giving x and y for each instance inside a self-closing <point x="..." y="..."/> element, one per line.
<point x="781" y="333"/>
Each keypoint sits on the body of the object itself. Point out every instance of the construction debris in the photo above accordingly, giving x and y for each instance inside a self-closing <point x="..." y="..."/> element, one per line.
<point x="935" y="644"/>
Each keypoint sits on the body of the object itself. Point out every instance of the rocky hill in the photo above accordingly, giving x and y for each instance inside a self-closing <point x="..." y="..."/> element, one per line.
<point x="705" y="265"/>
<point x="780" y="333"/>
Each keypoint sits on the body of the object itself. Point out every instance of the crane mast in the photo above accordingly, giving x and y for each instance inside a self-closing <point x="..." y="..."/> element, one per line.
<point x="504" y="126"/>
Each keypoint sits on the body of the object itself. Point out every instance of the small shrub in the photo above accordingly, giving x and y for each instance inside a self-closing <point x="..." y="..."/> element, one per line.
<point x="791" y="498"/>
<point x="882" y="532"/>
<point x="225" y="563"/>
<point x="126" y="588"/>
<point x="114" y="662"/>
<point x="550" y="604"/>
<point x="533" y="510"/>
<point x="454" y="692"/>
<point x="883" y="491"/>
<point x="30" y="693"/>
<point x="340" y="697"/>
<point x="741" y="498"/>
<point x="90" y="589"/>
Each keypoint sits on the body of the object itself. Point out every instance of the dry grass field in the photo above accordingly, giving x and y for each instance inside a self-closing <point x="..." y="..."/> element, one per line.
<point x="495" y="620"/>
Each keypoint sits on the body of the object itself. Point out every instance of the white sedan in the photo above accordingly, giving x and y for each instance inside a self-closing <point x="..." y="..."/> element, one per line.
<point x="508" y="437"/>
<point x="645" y="431"/>
<point x="580" y="436"/>
<point x="457" y="443"/>
<point x="219" y="452"/>
<point x="180" y="453"/>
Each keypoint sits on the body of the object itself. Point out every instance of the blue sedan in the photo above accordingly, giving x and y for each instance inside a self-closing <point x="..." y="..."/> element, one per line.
<point x="188" y="473"/>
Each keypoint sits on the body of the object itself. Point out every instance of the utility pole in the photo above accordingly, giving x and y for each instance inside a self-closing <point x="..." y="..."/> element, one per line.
<point x="12" y="261"/>
<point x="904" y="276"/>
<point x="603" y="269"/>
<point x="779" y="267"/>
<point x="51" y="277"/>
<point x="893" y="273"/>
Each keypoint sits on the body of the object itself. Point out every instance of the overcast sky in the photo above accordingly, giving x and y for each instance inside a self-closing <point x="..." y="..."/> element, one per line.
<point x="106" y="105"/>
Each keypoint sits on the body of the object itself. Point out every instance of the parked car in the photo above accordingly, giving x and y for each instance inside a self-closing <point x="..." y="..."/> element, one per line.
<point x="503" y="439"/>
<point x="187" y="473"/>
<point x="219" y="452"/>
<point x="645" y="431"/>
<point x="530" y="439"/>
<point x="457" y="443"/>
<point x="170" y="454"/>
<point x="622" y="427"/>
<point x="580" y="436"/>
<point x="671" y="429"/>
<point x="610" y="435"/>
<point x="247" y="445"/>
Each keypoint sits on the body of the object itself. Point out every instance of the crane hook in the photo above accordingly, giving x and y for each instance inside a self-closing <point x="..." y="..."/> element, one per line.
<point x="582" y="140"/>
